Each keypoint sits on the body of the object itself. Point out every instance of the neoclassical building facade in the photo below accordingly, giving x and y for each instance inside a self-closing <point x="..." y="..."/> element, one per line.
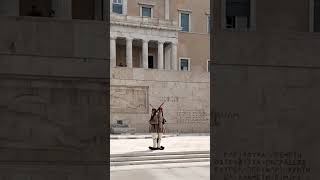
<point x="159" y="53"/>
<point x="160" y="34"/>
<point x="146" y="43"/>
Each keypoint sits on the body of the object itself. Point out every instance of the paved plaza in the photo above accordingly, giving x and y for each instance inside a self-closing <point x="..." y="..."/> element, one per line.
<point x="186" y="173"/>
<point x="172" y="144"/>
<point x="185" y="157"/>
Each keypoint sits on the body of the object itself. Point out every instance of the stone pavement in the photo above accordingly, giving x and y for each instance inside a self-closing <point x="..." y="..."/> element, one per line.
<point x="185" y="173"/>
<point x="148" y="136"/>
<point x="134" y="153"/>
<point x="184" y="157"/>
<point x="179" y="143"/>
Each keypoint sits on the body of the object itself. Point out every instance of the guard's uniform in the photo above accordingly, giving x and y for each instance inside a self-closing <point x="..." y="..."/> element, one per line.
<point x="156" y="127"/>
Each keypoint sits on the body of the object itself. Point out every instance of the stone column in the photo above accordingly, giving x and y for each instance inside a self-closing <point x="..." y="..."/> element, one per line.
<point x="223" y="15"/>
<point x="113" y="54"/>
<point x="125" y="7"/>
<point x="145" y="54"/>
<point x="129" y="53"/>
<point x="167" y="57"/>
<point x="62" y="8"/>
<point x="160" y="55"/>
<point x="174" y="56"/>
<point x="110" y="6"/>
<point x="97" y="10"/>
<point x="167" y="9"/>
<point x="253" y="23"/>
<point x="311" y="15"/>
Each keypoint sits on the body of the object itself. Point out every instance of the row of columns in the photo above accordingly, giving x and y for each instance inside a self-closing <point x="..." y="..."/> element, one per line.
<point x="145" y="53"/>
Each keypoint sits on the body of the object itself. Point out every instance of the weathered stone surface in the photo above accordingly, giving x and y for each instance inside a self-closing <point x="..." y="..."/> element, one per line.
<point x="267" y="48"/>
<point x="128" y="99"/>
<point x="186" y="97"/>
<point x="275" y="112"/>
<point x="54" y="37"/>
<point x="265" y="99"/>
<point x="53" y="99"/>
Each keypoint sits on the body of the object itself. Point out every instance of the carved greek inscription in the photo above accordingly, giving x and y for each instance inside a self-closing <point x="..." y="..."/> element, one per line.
<point x="219" y="116"/>
<point x="226" y="115"/>
<point x="192" y="116"/>
<point x="169" y="99"/>
<point x="262" y="166"/>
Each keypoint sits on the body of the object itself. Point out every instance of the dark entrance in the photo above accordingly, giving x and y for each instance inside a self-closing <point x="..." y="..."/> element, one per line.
<point x="150" y="62"/>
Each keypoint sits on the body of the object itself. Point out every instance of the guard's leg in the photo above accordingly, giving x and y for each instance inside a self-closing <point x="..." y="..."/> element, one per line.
<point x="154" y="138"/>
<point x="159" y="140"/>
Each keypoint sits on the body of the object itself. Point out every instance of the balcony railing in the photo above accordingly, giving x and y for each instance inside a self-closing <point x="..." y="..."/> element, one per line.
<point x="144" y="21"/>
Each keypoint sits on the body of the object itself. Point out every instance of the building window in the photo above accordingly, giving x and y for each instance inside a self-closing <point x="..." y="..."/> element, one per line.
<point x="208" y="65"/>
<point x="237" y="15"/>
<point x="184" y="64"/>
<point x="185" y="21"/>
<point x="146" y="11"/>
<point x="117" y="6"/>
<point x="316" y="16"/>
<point x="209" y="23"/>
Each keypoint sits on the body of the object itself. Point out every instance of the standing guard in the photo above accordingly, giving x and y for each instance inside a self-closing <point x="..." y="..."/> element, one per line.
<point x="156" y="127"/>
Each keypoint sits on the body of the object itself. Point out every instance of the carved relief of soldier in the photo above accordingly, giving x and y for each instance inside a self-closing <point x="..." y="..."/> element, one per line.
<point x="156" y="127"/>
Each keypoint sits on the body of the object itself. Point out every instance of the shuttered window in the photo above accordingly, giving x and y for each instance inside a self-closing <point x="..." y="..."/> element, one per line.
<point x="185" y="21"/>
<point x="238" y="14"/>
<point x="117" y="6"/>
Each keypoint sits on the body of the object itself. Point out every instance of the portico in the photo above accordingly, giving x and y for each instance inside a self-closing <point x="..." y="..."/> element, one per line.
<point x="139" y="44"/>
<point x="142" y="50"/>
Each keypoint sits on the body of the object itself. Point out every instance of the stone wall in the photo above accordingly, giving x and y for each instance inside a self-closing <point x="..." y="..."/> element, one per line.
<point x="198" y="54"/>
<point x="267" y="48"/>
<point x="186" y="97"/>
<point x="266" y="98"/>
<point x="53" y="99"/>
<point x="54" y="37"/>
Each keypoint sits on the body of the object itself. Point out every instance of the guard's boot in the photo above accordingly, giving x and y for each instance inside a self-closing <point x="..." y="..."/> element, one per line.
<point x="161" y="148"/>
<point x="152" y="148"/>
<point x="158" y="144"/>
<point x="154" y="144"/>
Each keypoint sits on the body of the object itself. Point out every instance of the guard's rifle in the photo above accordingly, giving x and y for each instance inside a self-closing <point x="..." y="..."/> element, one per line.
<point x="164" y="120"/>
<point x="152" y="106"/>
<point x="156" y="110"/>
<point x="160" y="106"/>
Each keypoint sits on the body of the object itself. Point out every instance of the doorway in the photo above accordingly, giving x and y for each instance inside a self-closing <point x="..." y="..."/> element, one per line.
<point x="150" y="62"/>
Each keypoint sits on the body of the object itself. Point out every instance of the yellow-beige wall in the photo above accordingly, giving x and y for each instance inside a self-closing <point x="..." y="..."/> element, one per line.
<point x="195" y="44"/>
